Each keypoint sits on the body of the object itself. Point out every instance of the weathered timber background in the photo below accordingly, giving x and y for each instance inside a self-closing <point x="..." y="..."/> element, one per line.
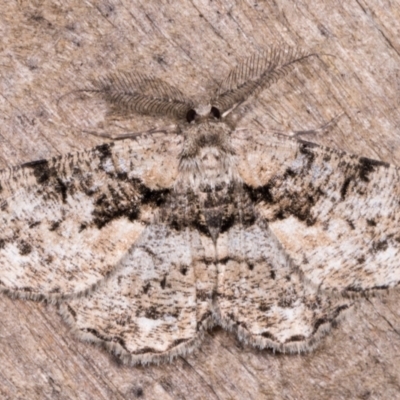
<point x="49" y="48"/>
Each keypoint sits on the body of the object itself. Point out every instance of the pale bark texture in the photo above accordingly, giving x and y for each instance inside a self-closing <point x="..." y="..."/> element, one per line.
<point x="49" y="48"/>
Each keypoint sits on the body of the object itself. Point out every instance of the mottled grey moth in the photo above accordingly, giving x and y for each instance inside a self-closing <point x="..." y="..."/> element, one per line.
<point x="146" y="243"/>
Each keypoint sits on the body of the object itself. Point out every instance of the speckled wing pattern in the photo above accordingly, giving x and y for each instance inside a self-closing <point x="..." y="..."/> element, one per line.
<point x="146" y="243"/>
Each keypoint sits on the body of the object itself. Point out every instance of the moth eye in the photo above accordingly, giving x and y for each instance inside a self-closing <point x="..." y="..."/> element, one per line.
<point x="190" y="115"/>
<point x="215" y="112"/>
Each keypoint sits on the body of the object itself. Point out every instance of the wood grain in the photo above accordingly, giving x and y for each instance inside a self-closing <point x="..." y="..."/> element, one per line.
<point x="50" y="48"/>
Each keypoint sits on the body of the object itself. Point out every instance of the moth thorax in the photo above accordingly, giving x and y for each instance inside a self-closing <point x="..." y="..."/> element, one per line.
<point x="212" y="160"/>
<point x="211" y="167"/>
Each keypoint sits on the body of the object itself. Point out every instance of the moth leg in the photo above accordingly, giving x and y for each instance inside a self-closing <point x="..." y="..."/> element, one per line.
<point x="150" y="309"/>
<point x="262" y="297"/>
<point x="132" y="135"/>
<point x="323" y="129"/>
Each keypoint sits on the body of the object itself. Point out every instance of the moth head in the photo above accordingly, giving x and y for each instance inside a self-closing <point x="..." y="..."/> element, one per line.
<point x="202" y="113"/>
<point x="207" y="130"/>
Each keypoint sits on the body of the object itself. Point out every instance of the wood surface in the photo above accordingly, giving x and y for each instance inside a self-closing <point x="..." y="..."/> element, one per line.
<point x="50" y="48"/>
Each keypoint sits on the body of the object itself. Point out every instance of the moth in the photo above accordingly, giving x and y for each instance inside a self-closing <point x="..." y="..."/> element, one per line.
<point x="148" y="242"/>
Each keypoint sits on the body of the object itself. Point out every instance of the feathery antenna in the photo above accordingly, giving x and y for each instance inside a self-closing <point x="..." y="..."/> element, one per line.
<point x="256" y="73"/>
<point x="127" y="93"/>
